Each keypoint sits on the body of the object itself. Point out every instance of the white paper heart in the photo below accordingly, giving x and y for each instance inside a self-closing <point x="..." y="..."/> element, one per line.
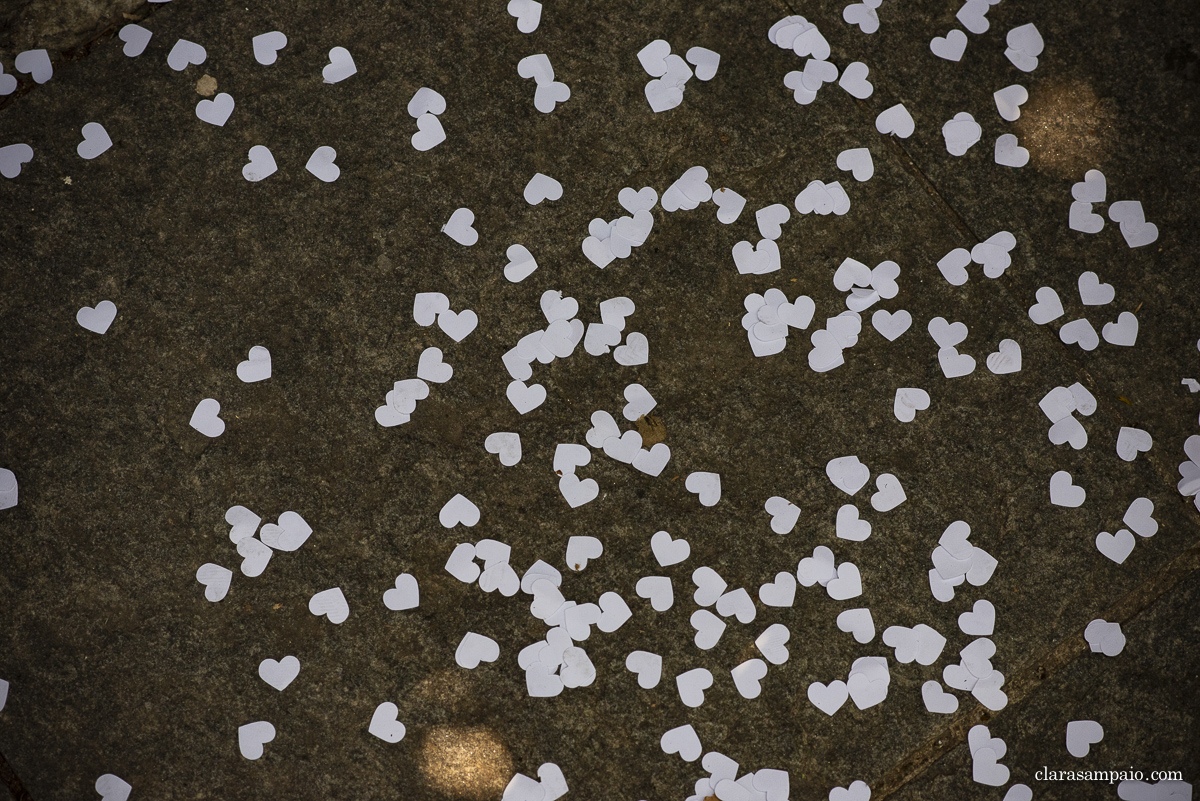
<point x="668" y="551"/>
<point x="897" y="121"/>
<point x="1081" y="736"/>
<point x="185" y="53"/>
<point x="384" y="724"/>
<point x="909" y="401"/>
<point x="112" y="787"/>
<point x="95" y="141"/>
<point x="1116" y="547"/>
<point x="98" y="319"/>
<point x="340" y="67"/>
<point x="847" y="474"/>
<point x="279" y="674"/>
<point x="692" y="684"/>
<point x="475" y="648"/>
<point x="331" y="603"/>
<point x="828" y="698"/>
<point x="253" y="736"/>
<point x="430" y="133"/>
<point x="135" y="38"/>
<point x="784" y="514"/>
<point x="1131" y="442"/>
<point x="215" y="111"/>
<point x="405" y="595"/>
<point x="458" y="227"/>
<point x="216" y="581"/>
<point x="1065" y="493"/>
<point x="206" y="418"/>
<point x="684" y="741"/>
<point x="320" y="164"/>
<point x="705" y="485"/>
<point x="951" y="46"/>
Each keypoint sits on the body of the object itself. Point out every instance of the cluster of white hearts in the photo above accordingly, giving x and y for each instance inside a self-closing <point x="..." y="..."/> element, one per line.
<point x="556" y="662"/>
<point x="625" y="447"/>
<point x="528" y="14"/>
<point x="947" y="335"/>
<point x="865" y="286"/>
<point x="549" y="92"/>
<point x="617" y="239"/>
<point x="802" y="37"/>
<point x="1059" y="406"/>
<point x="552" y="784"/>
<point x="287" y="534"/>
<point x="974" y="673"/>
<point x="1139" y="518"/>
<point x="425" y="106"/>
<point x="986" y="753"/>
<point x="865" y="15"/>
<point x="1104" y="638"/>
<point x="769" y="316"/>
<point x="1189" y="470"/>
<point x="1127" y="214"/>
<point x="867" y="685"/>
<point x="955" y="560"/>
<point x="992" y="254"/>
<point x="670" y="73"/>
<point x="1080" y="331"/>
<point x="767" y="784"/>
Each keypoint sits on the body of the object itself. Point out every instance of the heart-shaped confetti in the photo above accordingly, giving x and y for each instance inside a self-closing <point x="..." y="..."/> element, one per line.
<point x="405" y="595"/>
<point x="253" y="736"/>
<point x="1131" y="442"/>
<point x="279" y="674"/>
<point x="331" y="603"/>
<point x="684" y="741"/>
<point x="206" y="418"/>
<point x="692" y="684"/>
<point x="216" y="581"/>
<point x="909" y="401"/>
<point x="113" y="788"/>
<point x="706" y="486"/>
<point x="340" y="67"/>
<point x="98" y="319"/>
<point x="185" y="53"/>
<point x="1082" y="735"/>
<point x="1116" y="547"/>
<point x="135" y="38"/>
<point x="266" y="47"/>
<point x="320" y="164"/>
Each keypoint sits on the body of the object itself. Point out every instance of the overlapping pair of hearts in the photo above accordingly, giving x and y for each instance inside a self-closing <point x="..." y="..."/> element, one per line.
<point x="288" y="533"/>
<point x="549" y="92"/>
<point x="993" y="254"/>
<point x="803" y="38"/>
<point x="1006" y="359"/>
<point x="206" y="417"/>
<point x="763" y="258"/>
<point x="1189" y="470"/>
<point x="865" y="15"/>
<point x="765" y="784"/>
<point x="770" y="316"/>
<point x="670" y="73"/>
<point x="1128" y="214"/>
<point x="616" y="239"/>
<point x="1092" y="292"/>
<point x="550" y="784"/>
<point x="986" y="753"/>
<point x="866" y="286"/>
<point x="1059" y="405"/>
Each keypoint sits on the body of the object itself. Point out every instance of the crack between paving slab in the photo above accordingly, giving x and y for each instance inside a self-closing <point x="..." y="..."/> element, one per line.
<point x="81" y="50"/>
<point x="1022" y="686"/>
<point x="12" y="781"/>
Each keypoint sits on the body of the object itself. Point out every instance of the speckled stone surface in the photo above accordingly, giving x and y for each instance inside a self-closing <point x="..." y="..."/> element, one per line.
<point x="119" y="665"/>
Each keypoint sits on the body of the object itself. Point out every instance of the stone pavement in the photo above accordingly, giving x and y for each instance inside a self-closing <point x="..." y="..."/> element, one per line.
<point x="116" y="662"/>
